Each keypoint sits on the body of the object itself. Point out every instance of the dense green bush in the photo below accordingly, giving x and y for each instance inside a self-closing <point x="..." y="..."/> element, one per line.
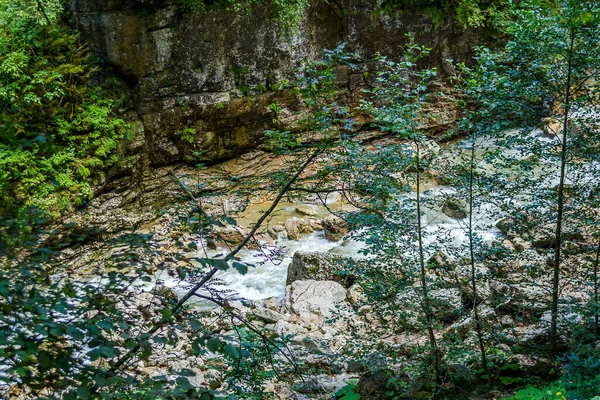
<point x="465" y="13"/>
<point x="57" y="129"/>
<point x="288" y="12"/>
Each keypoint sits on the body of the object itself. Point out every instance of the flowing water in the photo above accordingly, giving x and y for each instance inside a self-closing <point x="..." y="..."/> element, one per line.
<point x="268" y="276"/>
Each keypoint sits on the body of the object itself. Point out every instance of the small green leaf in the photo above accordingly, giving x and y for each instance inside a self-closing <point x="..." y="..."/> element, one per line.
<point x="108" y="351"/>
<point x="166" y="313"/>
<point x="196" y="325"/>
<point x="213" y="344"/>
<point x="146" y="349"/>
<point x="217" y="263"/>
<point x="241" y="267"/>
<point x="196" y="349"/>
<point x="44" y="358"/>
<point x="231" y="351"/>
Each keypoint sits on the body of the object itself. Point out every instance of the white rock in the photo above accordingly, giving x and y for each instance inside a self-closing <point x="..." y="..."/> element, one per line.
<point x="356" y="294"/>
<point x="507" y="321"/>
<point x="321" y="297"/>
<point x="271" y="303"/>
<point x="297" y="227"/>
<point x="284" y="328"/>
<point x="267" y="315"/>
<point x="306" y="210"/>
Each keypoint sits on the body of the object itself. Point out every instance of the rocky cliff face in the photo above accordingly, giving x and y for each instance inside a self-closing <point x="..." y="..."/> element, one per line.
<point x="204" y="82"/>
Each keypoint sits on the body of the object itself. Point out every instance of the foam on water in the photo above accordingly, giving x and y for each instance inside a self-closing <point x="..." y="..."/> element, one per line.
<point x="267" y="277"/>
<point x="269" y="274"/>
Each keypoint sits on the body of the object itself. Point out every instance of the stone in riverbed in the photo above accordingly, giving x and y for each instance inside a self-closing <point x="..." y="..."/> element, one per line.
<point x="306" y="210"/>
<point x="267" y="315"/>
<point x="335" y="228"/>
<point x="298" y="227"/>
<point x="455" y="208"/>
<point x="277" y="232"/>
<point x="320" y="267"/>
<point x="271" y="303"/>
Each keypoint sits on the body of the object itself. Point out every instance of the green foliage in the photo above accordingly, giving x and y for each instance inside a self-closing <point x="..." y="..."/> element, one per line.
<point x="287" y="12"/>
<point x="544" y="79"/>
<point x="347" y="393"/>
<point x="465" y="13"/>
<point x="554" y="391"/>
<point x="379" y="180"/>
<point x="57" y="131"/>
<point x="188" y="135"/>
<point x="316" y="91"/>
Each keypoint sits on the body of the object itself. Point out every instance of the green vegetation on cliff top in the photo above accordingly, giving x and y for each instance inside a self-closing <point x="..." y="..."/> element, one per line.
<point x="57" y="129"/>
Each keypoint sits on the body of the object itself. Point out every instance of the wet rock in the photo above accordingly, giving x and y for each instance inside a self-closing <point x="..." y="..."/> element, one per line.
<point x="296" y="228"/>
<point x="319" y="266"/>
<point x="271" y="303"/>
<point x="342" y="249"/>
<point x="306" y="210"/>
<point x="277" y="231"/>
<point x="455" y="208"/>
<point x="335" y="228"/>
<point x="230" y="235"/>
<point x="269" y="316"/>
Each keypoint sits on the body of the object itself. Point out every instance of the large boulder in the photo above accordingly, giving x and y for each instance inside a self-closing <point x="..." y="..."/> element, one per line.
<point x="319" y="267"/>
<point x="285" y="328"/>
<point x="446" y="303"/>
<point x="455" y="208"/>
<point x="335" y="228"/>
<point x="540" y="235"/>
<point x="544" y="238"/>
<point x="314" y="297"/>
<point x="298" y="227"/>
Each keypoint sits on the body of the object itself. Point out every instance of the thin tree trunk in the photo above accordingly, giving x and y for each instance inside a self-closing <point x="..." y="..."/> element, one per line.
<point x="478" y="324"/>
<point x="560" y="204"/>
<point x="426" y="301"/>
<point x="596" y="316"/>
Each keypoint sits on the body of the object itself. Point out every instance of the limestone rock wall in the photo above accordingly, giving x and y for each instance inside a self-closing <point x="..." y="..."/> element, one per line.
<point x="216" y="73"/>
